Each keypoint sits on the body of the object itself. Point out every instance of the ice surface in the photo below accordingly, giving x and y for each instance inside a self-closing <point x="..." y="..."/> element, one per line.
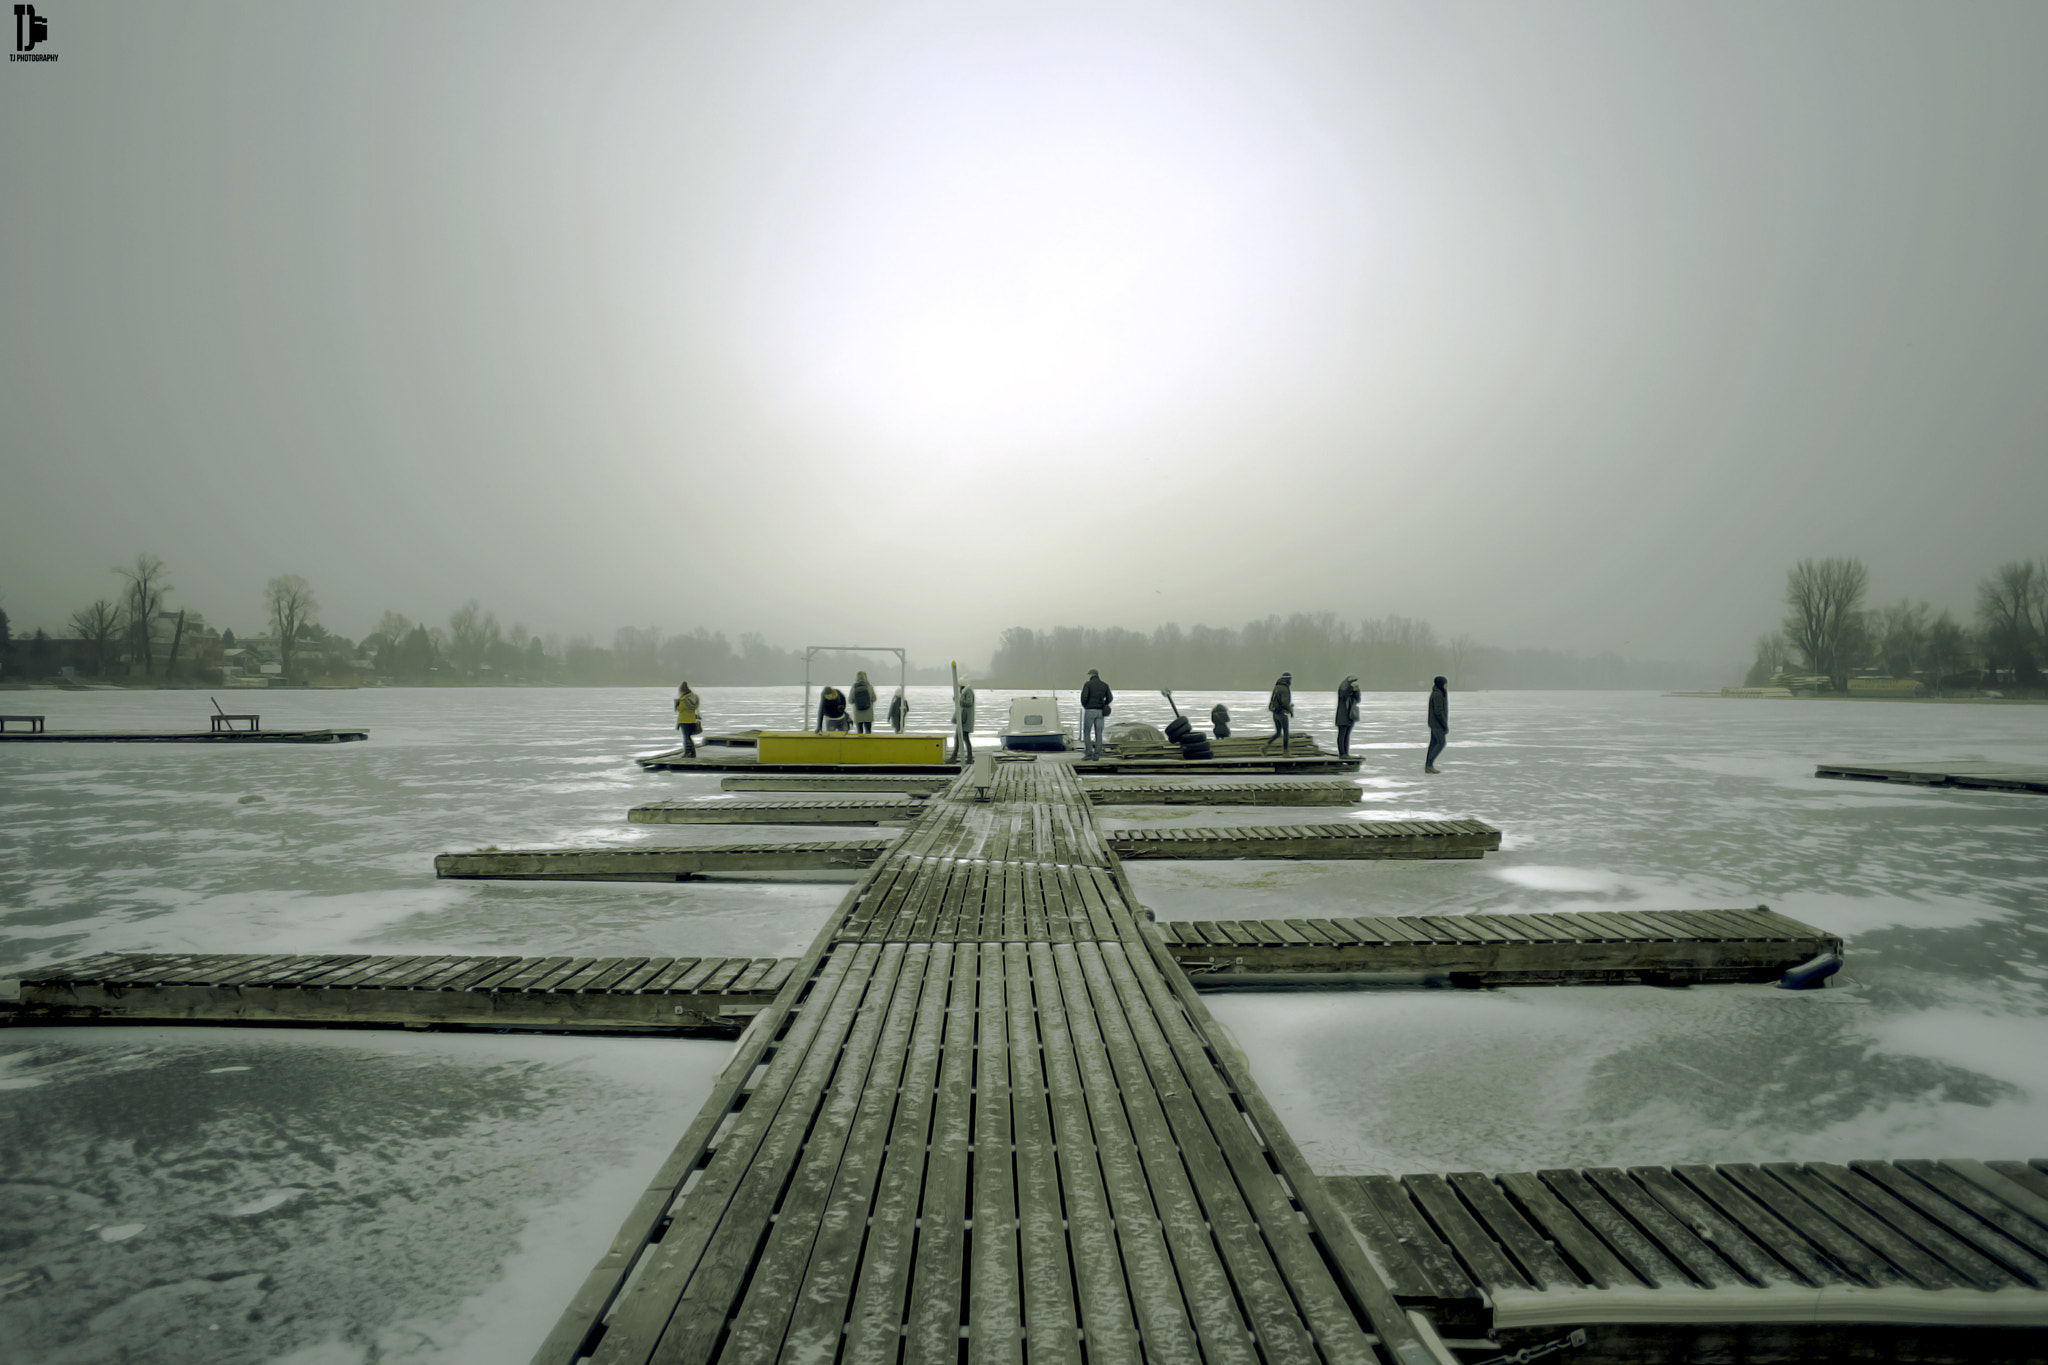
<point x="350" y="1198"/>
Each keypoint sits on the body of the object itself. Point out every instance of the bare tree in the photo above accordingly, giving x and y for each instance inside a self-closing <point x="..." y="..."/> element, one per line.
<point x="1902" y="635"/>
<point x="98" y="625"/>
<point x="1823" y="624"/>
<point x="289" y="599"/>
<point x="471" y="633"/>
<point x="143" y="598"/>
<point x="1947" y="650"/>
<point x="1769" y="661"/>
<point x="2009" y="601"/>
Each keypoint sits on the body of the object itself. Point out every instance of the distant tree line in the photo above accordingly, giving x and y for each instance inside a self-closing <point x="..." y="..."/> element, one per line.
<point x="1388" y="653"/>
<point x="1828" y="632"/>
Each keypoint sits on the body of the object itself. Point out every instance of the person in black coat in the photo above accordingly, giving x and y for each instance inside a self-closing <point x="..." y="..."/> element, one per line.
<point x="1219" y="720"/>
<point x="1095" y="700"/>
<point x="1439" y="723"/>
<point x="831" y="709"/>
<point x="1281" y="704"/>
<point x="1347" y="713"/>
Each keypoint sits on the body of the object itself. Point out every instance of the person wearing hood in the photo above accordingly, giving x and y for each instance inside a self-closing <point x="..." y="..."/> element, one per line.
<point x="1281" y="704"/>
<point x="1095" y="700"/>
<point x="1347" y="713"/>
<point x="1439" y="723"/>
<point x="831" y="709"/>
<point x="1219" y="720"/>
<point x="899" y="711"/>
<point x="687" y="721"/>
<point x="863" y="704"/>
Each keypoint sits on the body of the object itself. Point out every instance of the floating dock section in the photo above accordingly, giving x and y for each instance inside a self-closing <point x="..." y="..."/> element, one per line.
<point x="1780" y="1261"/>
<point x="600" y="994"/>
<point x="838" y="810"/>
<point x="658" y="864"/>
<point x="1352" y="839"/>
<point x="182" y="736"/>
<point x="1663" y="947"/>
<point x="1991" y="777"/>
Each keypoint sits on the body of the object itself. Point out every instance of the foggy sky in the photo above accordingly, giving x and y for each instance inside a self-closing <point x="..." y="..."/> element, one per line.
<point x="1567" y="325"/>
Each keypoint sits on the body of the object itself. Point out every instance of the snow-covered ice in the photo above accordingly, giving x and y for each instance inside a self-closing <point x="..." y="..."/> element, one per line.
<point x="343" y="1198"/>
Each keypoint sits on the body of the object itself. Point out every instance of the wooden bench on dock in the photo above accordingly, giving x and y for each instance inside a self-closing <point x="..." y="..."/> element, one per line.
<point x="34" y="723"/>
<point x="1804" y="1261"/>
<point x="226" y="721"/>
<point x="1352" y="839"/>
<point x="1664" y="947"/>
<point x="625" y="994"/>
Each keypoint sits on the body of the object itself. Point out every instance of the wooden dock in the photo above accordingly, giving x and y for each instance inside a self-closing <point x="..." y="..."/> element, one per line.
<point x="182" y="736"/>
<point x="743" y="762"/>
<point x="657" y="864"/>
<point x="1188" y="767"/>
<point x="1993" y="777"/>
<point x="1352" y="839"/>
<point x="585" y="994"/>
<point x="1780" y="1261"/>
<point x="838" y="810"/>
<point x="1151" y="792"/>
<point x="987" y="1118"/>
<point x="910" y="784"/>
<point x="1662" y="947"/>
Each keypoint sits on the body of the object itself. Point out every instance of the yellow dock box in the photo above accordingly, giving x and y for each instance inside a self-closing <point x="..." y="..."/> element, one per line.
<point x="840" y="746"/>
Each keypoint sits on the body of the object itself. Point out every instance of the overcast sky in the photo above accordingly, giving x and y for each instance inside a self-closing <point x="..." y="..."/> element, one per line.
<point x="1561" y="324"/>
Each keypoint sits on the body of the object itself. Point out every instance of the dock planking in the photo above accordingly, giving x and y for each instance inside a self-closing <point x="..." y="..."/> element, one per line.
<point x="1349" y="839"/>
<point x="988" y="1118"/>
<point x="1152" y="792"/>
<point x="674" y="761"/>
<point x="1976" y="776"/>
<point x="1684" y="946"/>
<point x="837" y="810"/>
<point x="619" y="994"/>
<point x="1807" y="1261"/>
<point x="341" y="736"/>
<point x="659" y="864"/>
<point x="1186" y="767"/>
<point x="920" y="784"/>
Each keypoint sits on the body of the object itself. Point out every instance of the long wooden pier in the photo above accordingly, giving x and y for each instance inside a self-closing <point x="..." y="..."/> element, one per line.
<point x="658" y="864"/>
<point x="1995" y="777"/>
<point x="1351" y="839"/>
<point x="837" y="810"/>
<point x="987" y="1118"/>
<point x="1152" y="792"/>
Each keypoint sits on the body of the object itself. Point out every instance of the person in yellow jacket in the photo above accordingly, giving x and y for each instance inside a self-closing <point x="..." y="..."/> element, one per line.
<point x="687" y="724"/>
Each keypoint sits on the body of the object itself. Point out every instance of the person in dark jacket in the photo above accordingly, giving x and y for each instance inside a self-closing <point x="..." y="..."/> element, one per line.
<point x="1219" y="720"/>
<point x="831" y="709"/>
<point x="1095" y="700"/>
<point x="1347" y="713"/>
<point x="863" y="704"/>
<point x="899" y="711"/>
<point x="1439" y="724"/>
<point x="1281" y="704"/>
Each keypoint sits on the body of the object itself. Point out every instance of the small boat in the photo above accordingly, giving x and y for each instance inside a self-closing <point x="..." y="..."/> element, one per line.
<point x="1034" y="724"/>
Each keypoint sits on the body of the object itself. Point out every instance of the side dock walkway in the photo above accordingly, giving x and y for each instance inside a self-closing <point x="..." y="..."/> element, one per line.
<point x="987" y="1136"/>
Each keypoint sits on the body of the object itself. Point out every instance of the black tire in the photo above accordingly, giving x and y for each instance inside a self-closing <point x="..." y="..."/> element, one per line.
<point x="1178" y="729"/>
<point x="1197" y="748"/>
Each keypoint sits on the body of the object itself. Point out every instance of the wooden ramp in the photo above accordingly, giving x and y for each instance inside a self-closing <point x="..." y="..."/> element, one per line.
<point x="602" y="994"/>
<point x="1670" y="946"/>
<point x="1995" y="777"/>
<point x="1352" y="839"/>
<point x="182" y="736"/>
<point x="1806" y="1261"/>
<point x="658" y="864"/>
<point x="837" y="810"/>
<point x="950" y="1140"/>
<point x="915" y="784"/>
<point x="741" y="761"/>
<point x="1189" y="767"/>
<point x="1109" y="792"/>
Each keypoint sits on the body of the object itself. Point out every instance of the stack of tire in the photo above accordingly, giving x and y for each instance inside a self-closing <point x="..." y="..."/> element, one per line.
<point x="1193" y="744"/>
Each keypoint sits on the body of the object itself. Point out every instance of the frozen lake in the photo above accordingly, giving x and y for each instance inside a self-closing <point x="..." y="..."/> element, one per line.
<point x="351" y="1197"/>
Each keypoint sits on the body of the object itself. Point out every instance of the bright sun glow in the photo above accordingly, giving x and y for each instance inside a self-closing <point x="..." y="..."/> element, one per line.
<point x="989" y="267"/>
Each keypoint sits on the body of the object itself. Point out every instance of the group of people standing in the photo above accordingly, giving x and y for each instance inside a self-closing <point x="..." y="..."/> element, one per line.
<point x="838" y="710"/>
